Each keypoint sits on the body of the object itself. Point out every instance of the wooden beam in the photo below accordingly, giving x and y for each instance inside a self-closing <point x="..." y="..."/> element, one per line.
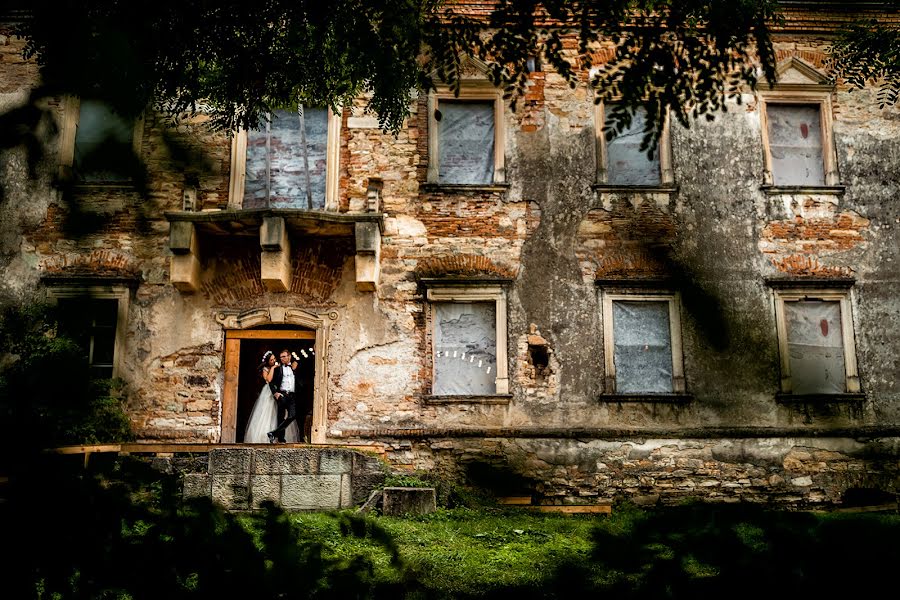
<point x="575" y="509"/>
<point x="269" y="334"/>
<point x="88" y="448"/>
<point x="230" y="393"/>
<point x="514" y="500"/>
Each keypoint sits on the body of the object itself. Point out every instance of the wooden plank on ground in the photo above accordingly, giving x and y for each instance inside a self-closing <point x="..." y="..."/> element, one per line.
<point x="514" y="500"/>
<point x="575" y="509"/>
<point x="88" y="448"/>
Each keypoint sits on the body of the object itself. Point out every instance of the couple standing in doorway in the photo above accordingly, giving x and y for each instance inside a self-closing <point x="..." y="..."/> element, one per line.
<point x="283" y="406"/>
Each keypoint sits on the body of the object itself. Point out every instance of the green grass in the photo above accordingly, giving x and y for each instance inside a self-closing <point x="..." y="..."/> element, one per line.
<point x="464" y="551"/>
<point x="697" y="551"/>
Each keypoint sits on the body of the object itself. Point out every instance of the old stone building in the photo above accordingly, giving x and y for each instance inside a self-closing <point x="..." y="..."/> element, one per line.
<point x="504" y="295"/>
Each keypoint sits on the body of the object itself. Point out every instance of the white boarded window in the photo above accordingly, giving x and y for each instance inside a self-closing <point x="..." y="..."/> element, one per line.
<point x="468" y="340"/>
<point x="620" y="160"/>
<point x="795" y="144"/>
<point x="465" y="348"/>
<point x="626" y="163"/>
<point x="815" y="334"/>
<point x="271" y="167"/>
<point x="466" y="142"/>
<point x="642" y="344"/>
<point x="103" y="144"/>
<point x="277" y="166"/>
<point x="466" y="135"/>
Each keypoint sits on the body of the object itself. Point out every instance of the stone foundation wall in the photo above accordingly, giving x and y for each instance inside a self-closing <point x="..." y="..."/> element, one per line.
<point x="294" y="478"/>
<point x="792" y="473"/>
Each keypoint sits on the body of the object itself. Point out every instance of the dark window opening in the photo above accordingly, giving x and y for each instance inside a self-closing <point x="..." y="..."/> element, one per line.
<point x="91" y="323"/>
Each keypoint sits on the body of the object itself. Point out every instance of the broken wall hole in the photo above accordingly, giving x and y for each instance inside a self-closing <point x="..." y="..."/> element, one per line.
<point x="540" y="359"/>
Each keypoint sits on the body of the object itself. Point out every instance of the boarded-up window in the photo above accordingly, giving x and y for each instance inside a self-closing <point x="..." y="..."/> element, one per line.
<point x="466" y="142"/>
<point x="103" y="144"/>
<point x="626" y="163"/>
<point x="465" y="348"/>
<point x="276" y="165"/>
<point x="815" y="346"/>
<point x="91" y="323"/>
<point x="795" y="144"/>
<point x="643" y="347"/>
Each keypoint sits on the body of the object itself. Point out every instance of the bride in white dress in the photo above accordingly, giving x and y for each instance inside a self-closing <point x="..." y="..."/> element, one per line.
<point x="264" y="416"/>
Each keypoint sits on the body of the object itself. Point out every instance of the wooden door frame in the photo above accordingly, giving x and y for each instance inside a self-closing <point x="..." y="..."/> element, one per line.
<point x="252" y="325"/>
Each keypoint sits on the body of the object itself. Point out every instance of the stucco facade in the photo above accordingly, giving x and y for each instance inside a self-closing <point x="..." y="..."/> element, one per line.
<point x="356" y="284"/>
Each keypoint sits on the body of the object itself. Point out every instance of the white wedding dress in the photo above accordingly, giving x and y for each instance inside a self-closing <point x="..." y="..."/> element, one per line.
<point x="264" y="418"/>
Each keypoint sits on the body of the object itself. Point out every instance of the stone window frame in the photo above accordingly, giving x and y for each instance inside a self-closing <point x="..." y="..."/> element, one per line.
<point x="675" y="338"/>
<point x="71" y="113"/>
<point x="238" y="175"/>
<point x="466" y="293"/>
<point x="470" y="90"/>
<point x="787" y="293"/>
<point x="120" y="293"/>
<point x="666" y="172"/>
<point x="818" y="92"/>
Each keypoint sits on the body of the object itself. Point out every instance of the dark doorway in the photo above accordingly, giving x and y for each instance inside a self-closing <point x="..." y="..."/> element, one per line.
<point x="250" y="381"/>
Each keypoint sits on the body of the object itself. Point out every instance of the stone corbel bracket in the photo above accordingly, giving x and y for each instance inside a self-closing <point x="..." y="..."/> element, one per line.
<point x="275" y="258"/>
<point x="368" y="255"/>
<point x="184" y="266"/>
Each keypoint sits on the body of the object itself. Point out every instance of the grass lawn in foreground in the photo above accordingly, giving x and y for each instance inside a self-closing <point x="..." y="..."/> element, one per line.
<point x="464" y="551"/>
<point x="695" y="551"/>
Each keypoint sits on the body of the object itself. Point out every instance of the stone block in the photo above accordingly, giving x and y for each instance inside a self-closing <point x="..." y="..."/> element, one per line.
<point x="273" y="234"/>
<point x="264" y="488"/>
<point x="184" y="272"/>
<point x="400" y="501"/>
<point x="311" y="492"/>
<point x="368" y="238"/>
<point x="335" y="461"/>
<point x="232" y="492"/>
<point x="275" y="270"/>
<point x="230" y="461"/>
<point x="346" y="491"/>
<point x="182" y="237"/>
<point x="195" y="485"/>
<point x="368" y="474"/>
<point x="286" y="461"/>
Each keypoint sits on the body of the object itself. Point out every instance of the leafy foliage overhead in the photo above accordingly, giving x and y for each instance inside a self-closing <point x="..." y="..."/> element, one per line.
<point x="869" y="53"/>
<point x="238" y="59"/>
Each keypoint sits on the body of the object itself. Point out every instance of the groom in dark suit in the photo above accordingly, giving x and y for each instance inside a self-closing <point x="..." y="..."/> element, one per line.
<point x="285" y="387"/>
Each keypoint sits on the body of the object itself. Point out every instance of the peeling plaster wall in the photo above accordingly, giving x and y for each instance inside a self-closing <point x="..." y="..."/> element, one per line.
<point x="551" y="234"/>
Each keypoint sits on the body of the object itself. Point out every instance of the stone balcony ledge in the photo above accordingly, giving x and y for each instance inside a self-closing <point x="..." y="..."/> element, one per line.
<point x="249" y="221"/>
<point x="275" y="228"/>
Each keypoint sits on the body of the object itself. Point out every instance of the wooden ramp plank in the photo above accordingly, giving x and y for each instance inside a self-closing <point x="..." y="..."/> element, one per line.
<point x="514" y="500"/>
<point x="574" y="509"/>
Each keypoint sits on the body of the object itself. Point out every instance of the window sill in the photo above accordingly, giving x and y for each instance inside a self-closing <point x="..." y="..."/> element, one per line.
<point x="647" y="189"/>
<point x="676" y="398"/>
<point x="492" y="399"/>
<point x="819" y="398"/>
<point x="822" y="190"/>
<point x="457" y="188"/>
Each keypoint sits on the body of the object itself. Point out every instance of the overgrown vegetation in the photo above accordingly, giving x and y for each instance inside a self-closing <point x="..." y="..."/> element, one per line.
<point x="694" y="551"/>
<point x="119" y="529"/>
<point x="47" y="396"/>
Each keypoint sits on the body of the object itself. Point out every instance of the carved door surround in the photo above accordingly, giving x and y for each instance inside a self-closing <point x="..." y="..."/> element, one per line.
<point x="239" y="325"/>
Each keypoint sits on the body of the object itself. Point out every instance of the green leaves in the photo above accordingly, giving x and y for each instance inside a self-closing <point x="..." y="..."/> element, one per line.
<point x="869" y="53"/>
<point x="239" y="59"/>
